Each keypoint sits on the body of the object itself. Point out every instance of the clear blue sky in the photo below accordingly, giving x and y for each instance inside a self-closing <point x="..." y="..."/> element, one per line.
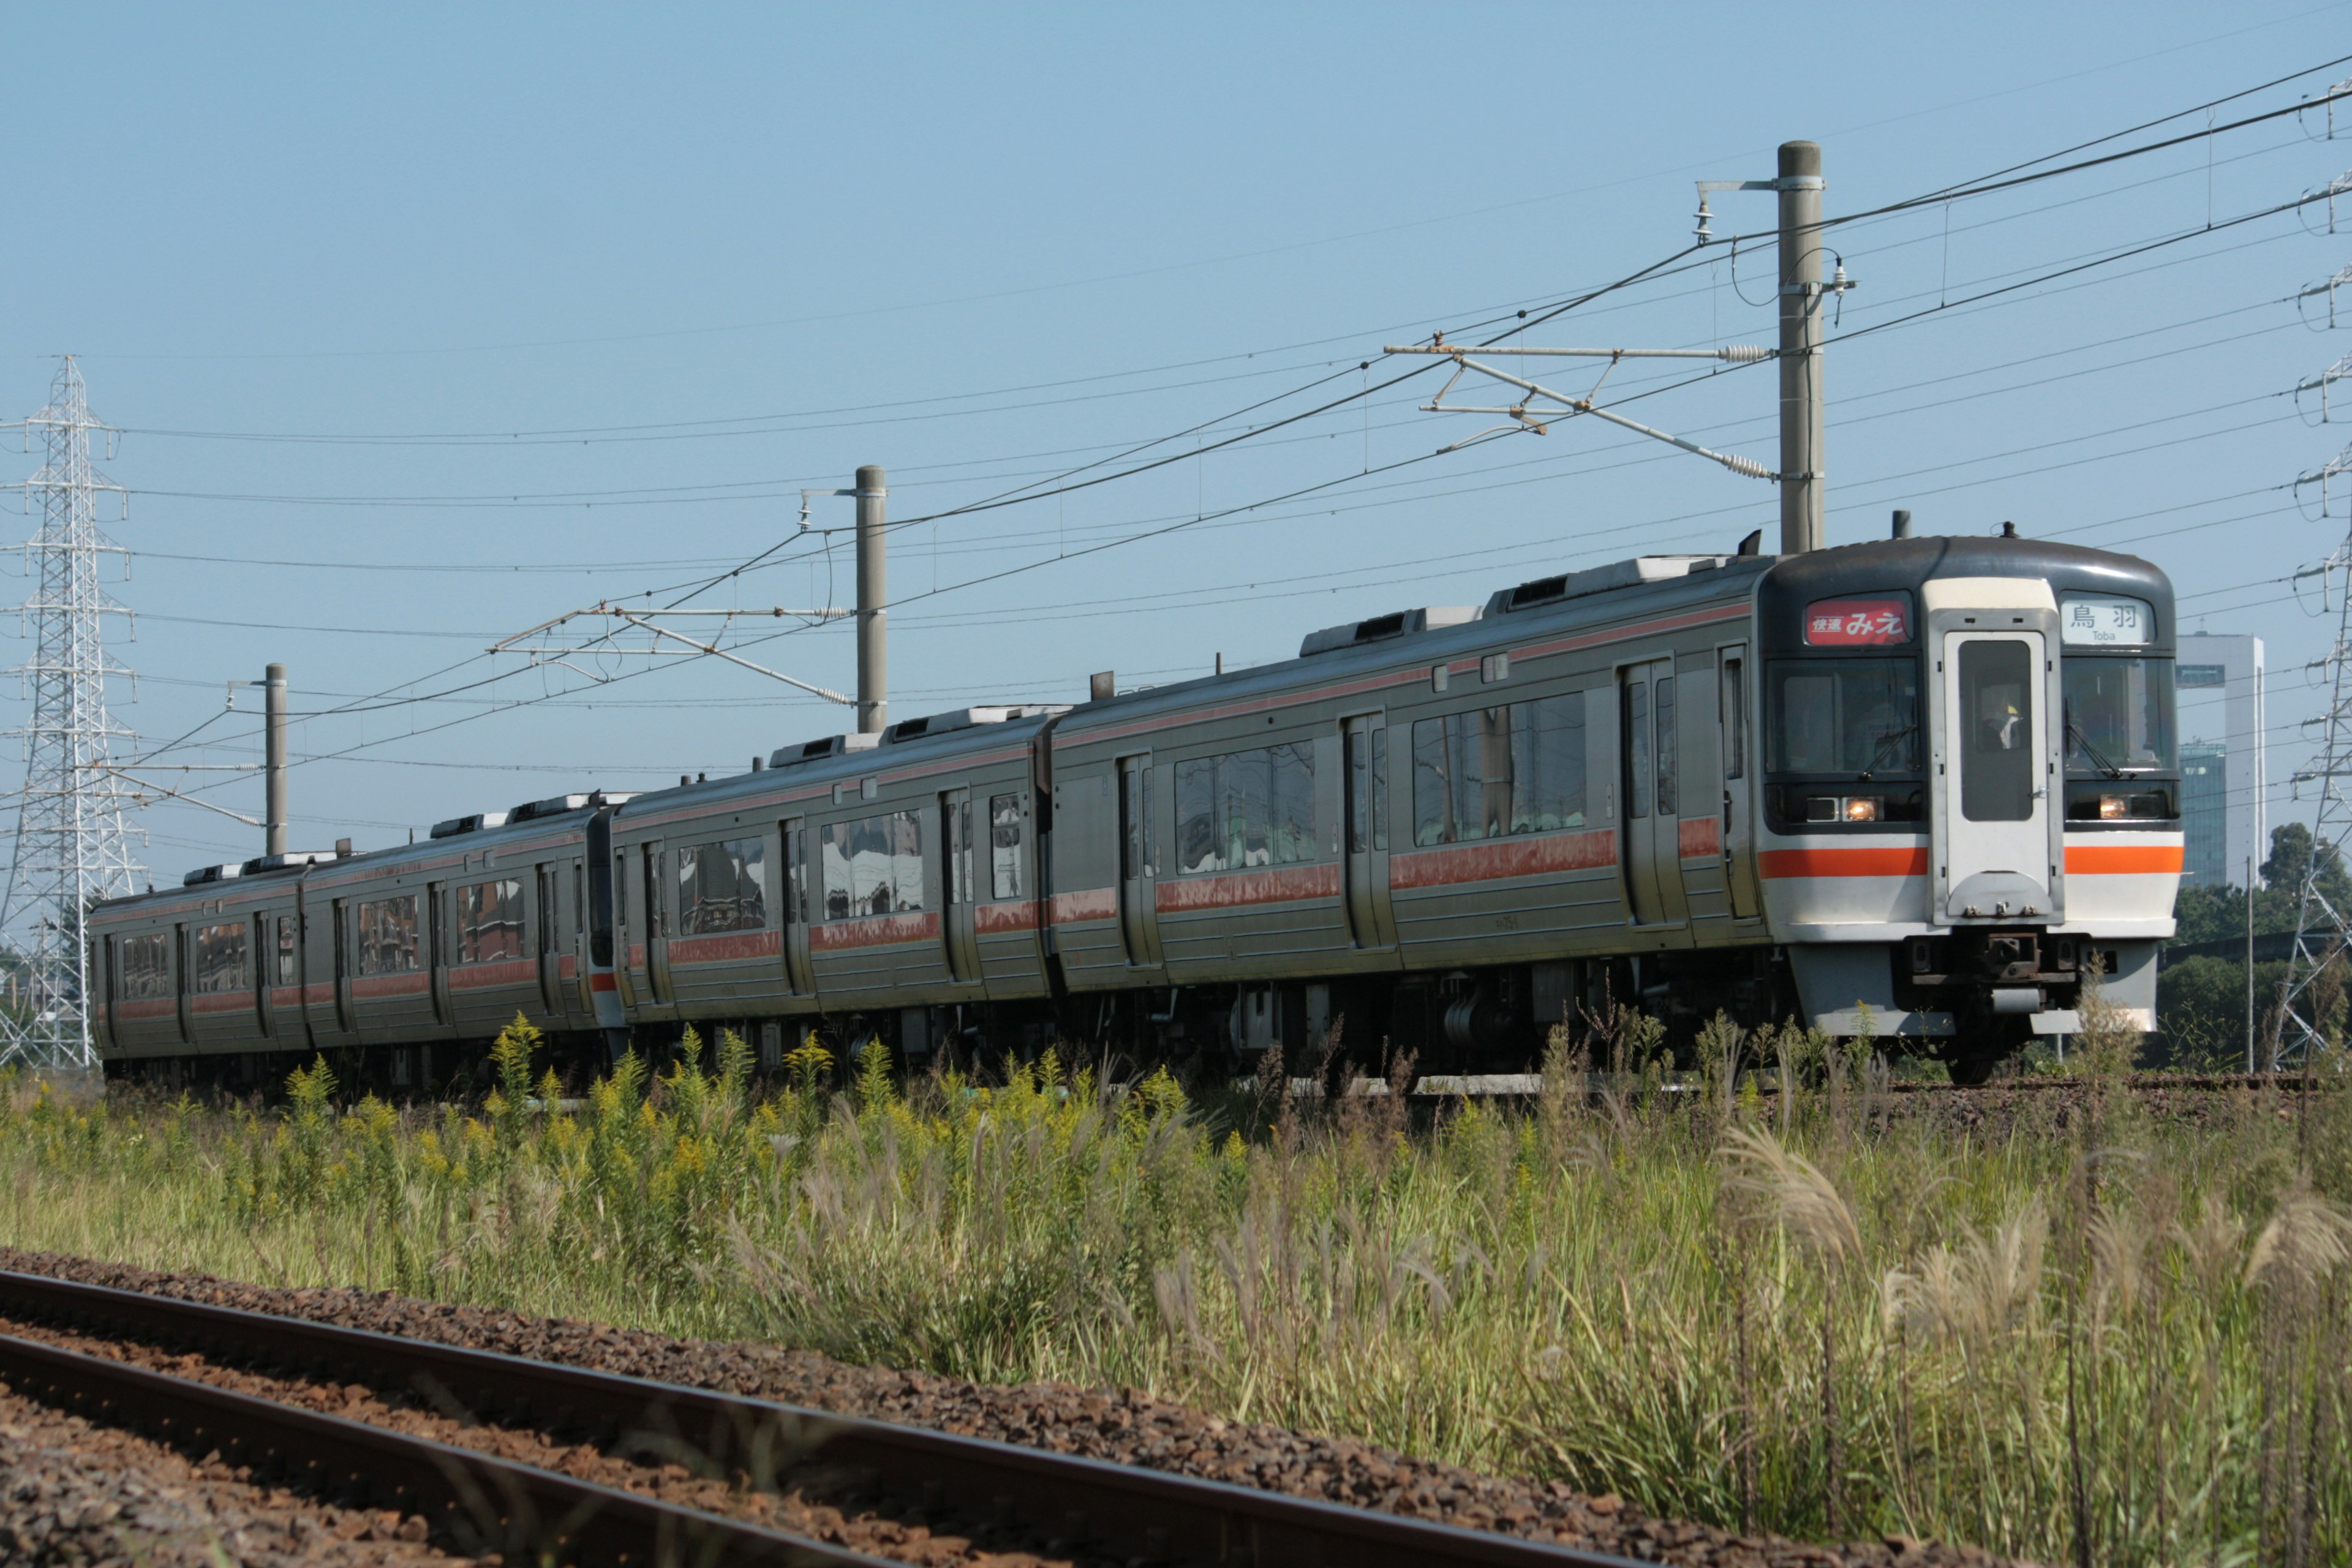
<point x="735" y="251"/>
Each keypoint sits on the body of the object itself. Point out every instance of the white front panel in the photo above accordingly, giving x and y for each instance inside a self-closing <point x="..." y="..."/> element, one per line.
<point x="1996" y="796"/>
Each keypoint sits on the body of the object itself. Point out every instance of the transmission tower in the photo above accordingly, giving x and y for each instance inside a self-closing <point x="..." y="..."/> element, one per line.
<point x="71" y="846"/>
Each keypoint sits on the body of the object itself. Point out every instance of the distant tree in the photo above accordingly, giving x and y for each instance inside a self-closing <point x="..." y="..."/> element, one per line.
<point x="2290" y="861"/>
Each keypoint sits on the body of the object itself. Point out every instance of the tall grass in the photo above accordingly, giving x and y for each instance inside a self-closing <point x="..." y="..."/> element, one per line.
<point x="2086" y="1337"/>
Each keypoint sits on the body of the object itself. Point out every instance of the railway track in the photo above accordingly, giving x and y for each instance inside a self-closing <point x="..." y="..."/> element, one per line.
<point x="476" y="1500"/>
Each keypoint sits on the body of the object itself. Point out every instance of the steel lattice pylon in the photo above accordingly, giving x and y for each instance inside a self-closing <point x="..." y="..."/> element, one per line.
<point x="2322" y="930"/>
<point x="72" y="846"/>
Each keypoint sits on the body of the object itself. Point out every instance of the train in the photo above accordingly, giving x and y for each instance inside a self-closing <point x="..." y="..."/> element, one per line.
<point x="1922" y="788"/>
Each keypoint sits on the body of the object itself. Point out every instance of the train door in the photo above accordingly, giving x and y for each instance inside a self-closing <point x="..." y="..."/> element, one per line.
<point x="955" y="885"/>
<point x="794" y="837"/>
<point x="1364" y="779"/>
<point x="550" y="979"/>
<point x="439" y="948"/>
<point x="1731" y="751"/>
<point x="1996" y="847"/>
<point x="1650" y="763"/>
<point x="1139" y="919"/>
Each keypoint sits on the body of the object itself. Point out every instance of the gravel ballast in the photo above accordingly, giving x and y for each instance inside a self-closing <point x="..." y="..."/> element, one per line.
<point x="1121" y="1427"/>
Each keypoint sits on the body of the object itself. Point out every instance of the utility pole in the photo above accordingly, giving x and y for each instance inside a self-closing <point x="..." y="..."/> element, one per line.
<point x="273" y="813"/>
<point x="72" y="846"/>
<point x="1803" y="464"/>
<point x="873" y="628"/>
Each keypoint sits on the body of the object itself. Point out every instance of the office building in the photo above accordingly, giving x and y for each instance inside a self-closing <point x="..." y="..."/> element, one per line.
<point x="2222" y="756"/>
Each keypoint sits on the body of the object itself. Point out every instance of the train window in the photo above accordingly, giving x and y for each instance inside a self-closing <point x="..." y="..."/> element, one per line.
<point x="388" y="936"/>
<point x="651" y="863"/>
<point x="1135" y="819"/>
<point x="489" y="921"/>
<point x="1637" y="748"/>
<point x="872" y="866"/>
<point x="796" y="906"/>
<point x="1493" y="772"/>
<point x="1380" y="790"/>
<point x="2118" y="715"/>
<point x="286" y="965"/>
<point x="1734" y="719"/>
<point x="221" y="960"/>
<point x="1858" y="717"/>
<point x="1668" y="751"/>
<point x="722" y="886"/>
<point x="957" y="884"/>
<point x="1998" y="768"/>
<point x="1247" y="809"/>
<point x="1004" y="835"/>
<point x="146" y="970"/>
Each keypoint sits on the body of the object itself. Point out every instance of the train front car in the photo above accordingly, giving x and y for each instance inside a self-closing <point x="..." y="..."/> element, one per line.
<point x="1971" y="787"/>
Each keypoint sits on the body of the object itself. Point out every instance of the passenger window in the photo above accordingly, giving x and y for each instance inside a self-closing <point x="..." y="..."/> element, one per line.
<point x="722" y="886"/>
<point x="1245" y="809"/>
<point x="388" y="936"/>
<point x="489" y="921"/>
<point x="146" y="972"/>
<point x="874" y="865"/>
<point x="1005" y="836"/>
<point x="1734" y="718"/>
<point x="1491" y="771"/>
<point x="286" y="965"/>
<point x="1668" y="751"/>
<point x="1637" y="747"/>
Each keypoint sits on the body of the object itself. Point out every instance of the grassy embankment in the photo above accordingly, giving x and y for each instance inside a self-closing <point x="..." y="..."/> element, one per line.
<point x="1819" y="1312"/>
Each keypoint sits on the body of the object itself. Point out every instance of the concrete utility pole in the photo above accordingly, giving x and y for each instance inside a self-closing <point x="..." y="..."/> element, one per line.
<point x="1803" y="463"/>
<point x="873" y="628"/>
<point x="273" y="811"/>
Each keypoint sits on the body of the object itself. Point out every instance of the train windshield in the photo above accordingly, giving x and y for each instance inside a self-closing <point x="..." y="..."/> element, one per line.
<point x="2119" y="716"/>
<point x="1859" y="717"/>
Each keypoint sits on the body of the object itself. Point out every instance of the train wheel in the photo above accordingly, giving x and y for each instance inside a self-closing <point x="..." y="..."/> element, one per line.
<point x="1970" y="1071"/>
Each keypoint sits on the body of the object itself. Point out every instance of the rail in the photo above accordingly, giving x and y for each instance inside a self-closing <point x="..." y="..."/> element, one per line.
<point x="493" y="1504"/>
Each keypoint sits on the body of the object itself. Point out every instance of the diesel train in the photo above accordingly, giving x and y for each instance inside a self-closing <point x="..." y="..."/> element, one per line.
<point x="1922" y="787"/>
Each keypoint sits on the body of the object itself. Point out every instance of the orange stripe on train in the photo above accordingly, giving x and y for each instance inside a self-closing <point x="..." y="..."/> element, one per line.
<point x="1238" y="889"/>
<point x="2123" y="859"/>
<point x="1900" y="860"/>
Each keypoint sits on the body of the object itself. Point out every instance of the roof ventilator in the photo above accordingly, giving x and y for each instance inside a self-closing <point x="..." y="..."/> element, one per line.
<point x="1631" y="573"/>
<point x="1395" y="624"/>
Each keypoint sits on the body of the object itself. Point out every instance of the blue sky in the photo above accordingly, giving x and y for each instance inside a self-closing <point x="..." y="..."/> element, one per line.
<point x="337" y="272"/>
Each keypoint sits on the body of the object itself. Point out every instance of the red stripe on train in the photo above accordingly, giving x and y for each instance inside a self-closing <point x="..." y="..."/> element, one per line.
<point x="1018" y="915"/>
<point x="1235" y="889"/>
<point x="880" y="931"/>
<point x="726" y="947"/>
<point x="1090" y="904"/>
<point x="498" y="972"/>
<point x="1499" y="857"/>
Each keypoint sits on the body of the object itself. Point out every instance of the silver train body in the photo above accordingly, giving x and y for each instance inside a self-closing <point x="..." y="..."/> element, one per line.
<point x="1924" y="788"/>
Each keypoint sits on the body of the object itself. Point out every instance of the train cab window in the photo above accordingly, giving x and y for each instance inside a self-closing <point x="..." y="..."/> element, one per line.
<point x="722" y="886"/>
<point x="145" y="974"/>
<point x="1005" y="832"/>
<point x="2119" y="715"/>
<point x="1855" y="717"/>
<point x="388" y="936"/>
<point x="286" y="967"/>
<point x="874" y="865"/>
<point x="1999" y="767"/>
<point x="489" y="921"/>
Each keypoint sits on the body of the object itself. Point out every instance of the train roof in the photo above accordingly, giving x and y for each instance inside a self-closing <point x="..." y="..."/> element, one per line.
<point x="1884" y="564"/>
<point x="1594" y="597"/>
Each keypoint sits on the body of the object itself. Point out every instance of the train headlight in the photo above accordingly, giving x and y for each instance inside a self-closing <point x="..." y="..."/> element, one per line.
<point x="1862" y="808"/>
<point x="2113" y="807"/>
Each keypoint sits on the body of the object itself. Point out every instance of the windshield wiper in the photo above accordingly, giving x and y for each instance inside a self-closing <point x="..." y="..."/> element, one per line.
<point x="2075" y="736"/>
<point x="1886" y="742"/>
